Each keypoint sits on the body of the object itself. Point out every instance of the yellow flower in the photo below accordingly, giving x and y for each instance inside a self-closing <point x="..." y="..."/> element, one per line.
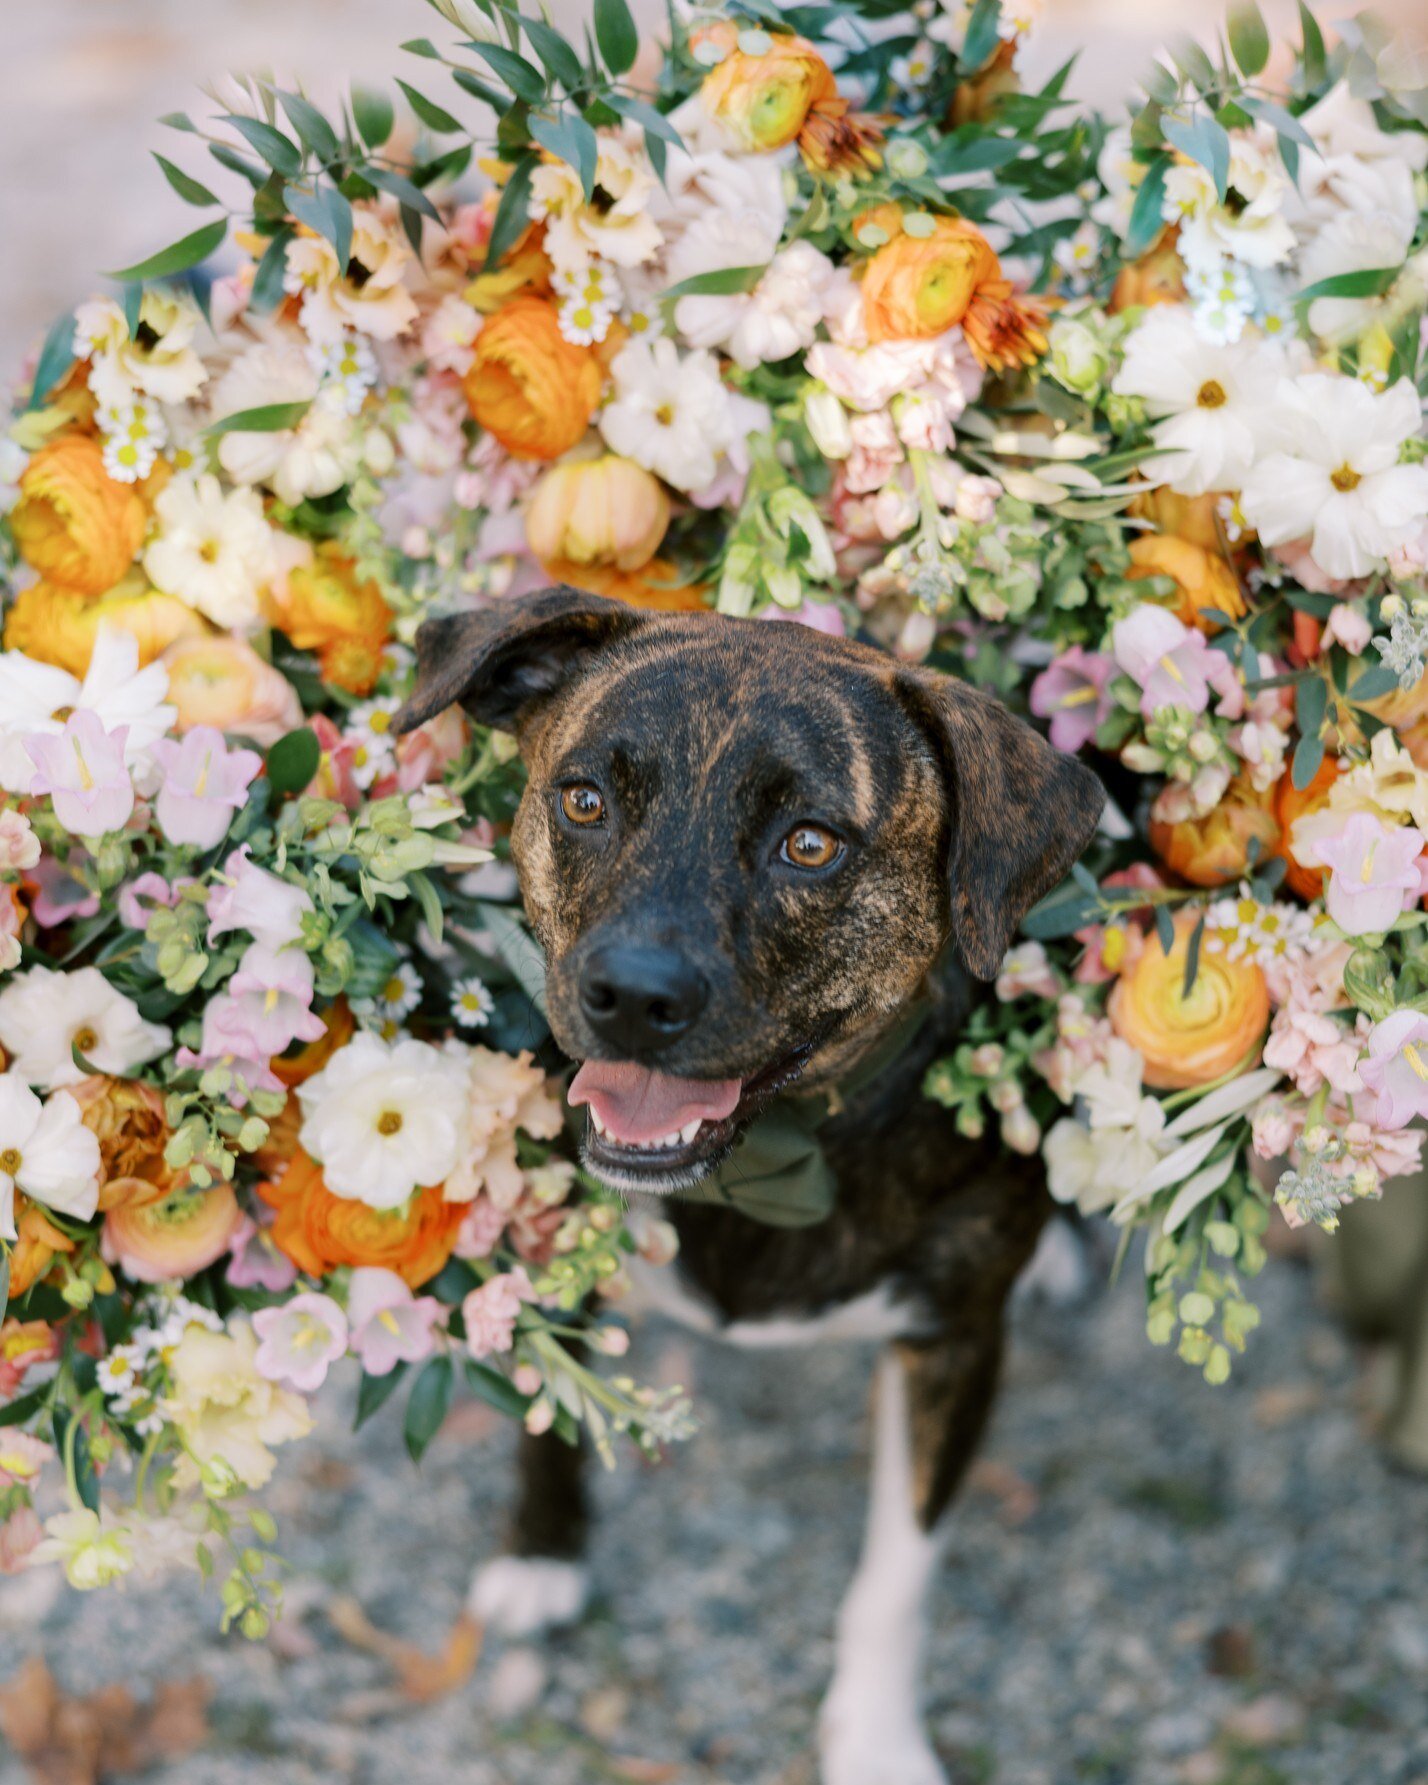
<point x="1203" y="580"/>
<point x="228" y="1416"/>
<point x="598" y="511"/>
<point x="529" y="386"/>
<point x="92" y="1549"/>
<point x="615" y="225"/>
<point x="58" y="625"/>
<point x="764" y="99"/>
<point x="1188" y="1041"/>
<point x="73" y="523"/>
<point x="920" y="283"/>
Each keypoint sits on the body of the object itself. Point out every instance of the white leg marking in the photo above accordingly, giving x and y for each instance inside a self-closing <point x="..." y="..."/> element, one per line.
<point x="523" y="1595"/>
<point x="871" y="1732"/>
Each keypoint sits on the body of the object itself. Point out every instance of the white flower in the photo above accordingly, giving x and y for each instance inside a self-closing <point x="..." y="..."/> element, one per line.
<point x="114" y="688"/>
<point x="315" y="457"/>
<point x="369" y="728"/>
<point x="779" y="317"/>
<point x="471" y="1003"/>
<point x="1077" y="253"/>
<point x="1335" y="478"/>
<point x="214" y="552"/>
<point x="46" y="1151"/>
<point x="348" y="366"/>
<point x="1096" y="1163"/>
<point x="1250" y="225"/>
<point x="118" y="1373"/>
<point x="44" y="1015"/>
<point x="13" y="460"/>
<point x="1352" y="243"/>
<point x="1341" y="124"/>
<point x="133" y="434"/>
<point x="383" y="1118"/>
<point x="1209" y="399"/>
<point x="1120" y="174"/>
<point x="584" y="323"/>
<point x="160" y="362"/>
<point x="399" y="994"/>
<point x="619" y="228"/>
<point x="669" y="414"/>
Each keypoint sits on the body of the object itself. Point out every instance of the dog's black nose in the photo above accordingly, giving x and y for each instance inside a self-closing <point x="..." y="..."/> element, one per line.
<point x="640" y="999"/>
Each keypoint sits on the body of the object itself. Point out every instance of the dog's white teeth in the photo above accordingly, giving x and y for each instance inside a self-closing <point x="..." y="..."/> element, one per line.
<point x="595" y="1122"/>
<point x="690" y="1129"/>
<point x="667" y="1141"/>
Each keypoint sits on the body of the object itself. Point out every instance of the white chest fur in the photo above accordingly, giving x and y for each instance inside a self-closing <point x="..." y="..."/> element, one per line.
<point x="662" y="1289"/>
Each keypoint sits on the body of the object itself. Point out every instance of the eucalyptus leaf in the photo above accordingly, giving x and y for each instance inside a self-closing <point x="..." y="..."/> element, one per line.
<point x="268" y="418"/>
<point x="570" y="139"/>
<point x="280" y="152"/>
<point x="512" y="213"/>
<point x="432" y="115"/>
<point x="1249" y="39"/>
<point x="178" y="257"/>
<point x="374" y="1392"/>
<point x="1204" y="141"/>
<point x="56" y="357"/>
<point x="311" y="126"/>
<point x="373" y="115"/>
<point x="1146" y="221"/>
<point x="554" y="52"/>
<point x="191" y="191"/>
<point x="523" y="78"/>
<point x="616" y="34"/>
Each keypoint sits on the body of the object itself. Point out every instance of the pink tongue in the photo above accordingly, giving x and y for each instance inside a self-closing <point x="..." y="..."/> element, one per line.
<point x="637" y="1105"/>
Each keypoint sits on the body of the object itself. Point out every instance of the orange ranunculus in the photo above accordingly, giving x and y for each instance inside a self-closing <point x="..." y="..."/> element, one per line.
<point x="73" y="522"/>
<point x="325" y="607"/>
<point x="1292" y="803"/>
<point x="655" y="585"/>
<point x="918" y="286"/>
<point x="1188" y="517"/>
<point x="320" y="1231"/>
<point x="127" y="1119"/>
<point x="529" y="386"/>
<point x="1156" y="278"/>
<point x="598" y="511"/>
<point x="40" y="1242"/>
<point x="295" y="1069"/>
<point x="1215" y="850"/>
<point x="221" y="681"/>
<point x="272" y="1157"/>
<point x="1203" y="580"/>
<point x="59" y="625"/>
<point x="1192" y="1040"/>
<point x="183" y="1232"/>
<point x="764" y="99"/>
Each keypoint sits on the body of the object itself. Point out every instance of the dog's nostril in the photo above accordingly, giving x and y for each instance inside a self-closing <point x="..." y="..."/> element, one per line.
<point x="663" y="1012"/>
<point x="640" y="999"/>
<point x="599" y="996"/>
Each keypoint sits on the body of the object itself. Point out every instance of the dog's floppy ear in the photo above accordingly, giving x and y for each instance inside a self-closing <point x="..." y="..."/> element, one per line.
<point x="498" y="660"/>
<point x="1021" y="812"/>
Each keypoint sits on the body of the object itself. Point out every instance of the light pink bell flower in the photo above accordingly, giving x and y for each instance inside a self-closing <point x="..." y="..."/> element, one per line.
<point x="271" y="999"/>
<point x="1396" y="1069"/>
<point x="1376" y="874"/>
<point x="1071" y="693"/>
<point x="300" y="1341"/>
<point x="204" y="784"/>
<point x="254" y="1261"/>
<point x="82" y="769"/>
<point x="387" y="1324"/>
<point x="1173" y="664"/>
<point x="248" y="898"/>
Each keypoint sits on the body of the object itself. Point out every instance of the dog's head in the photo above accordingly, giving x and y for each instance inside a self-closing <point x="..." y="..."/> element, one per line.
<point x="743" y="846"/>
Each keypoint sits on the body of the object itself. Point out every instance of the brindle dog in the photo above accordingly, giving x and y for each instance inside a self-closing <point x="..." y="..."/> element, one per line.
<point x="748" y="850"/>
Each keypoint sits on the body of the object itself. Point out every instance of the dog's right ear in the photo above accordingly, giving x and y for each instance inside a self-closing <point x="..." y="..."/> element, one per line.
<point x="497" y="661"/>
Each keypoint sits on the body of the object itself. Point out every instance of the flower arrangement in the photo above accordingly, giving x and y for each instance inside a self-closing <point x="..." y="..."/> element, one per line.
<point x="813" y="315"/>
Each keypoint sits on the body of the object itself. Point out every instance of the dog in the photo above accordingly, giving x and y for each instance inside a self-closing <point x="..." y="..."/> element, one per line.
<point x="753" y="853"/>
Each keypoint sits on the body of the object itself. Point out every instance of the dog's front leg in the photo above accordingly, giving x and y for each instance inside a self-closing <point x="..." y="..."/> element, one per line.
<point x="931" y="1402"/>
<point x="542" y="1581"/>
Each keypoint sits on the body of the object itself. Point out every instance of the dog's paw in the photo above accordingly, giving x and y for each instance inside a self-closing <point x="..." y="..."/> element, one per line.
<point x="523" y="1595"/>
<point x="857" y="1746"/>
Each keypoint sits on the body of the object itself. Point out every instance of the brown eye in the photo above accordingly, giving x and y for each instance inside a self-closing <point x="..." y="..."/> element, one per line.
<point x="810" y="846"/>
<point x="582" y="803"/>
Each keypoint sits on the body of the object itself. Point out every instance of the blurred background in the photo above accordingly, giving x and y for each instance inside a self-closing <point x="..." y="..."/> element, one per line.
<point x="1149" y="1582"/>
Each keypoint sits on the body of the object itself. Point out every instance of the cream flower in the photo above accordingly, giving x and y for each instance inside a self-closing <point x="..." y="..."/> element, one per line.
<point x="1341" y="124"/>
<point x="616" y="225"/>
<point x="368" y="294"/>
<point x="1209" y="399"/>
<point x="506" y="1092"/>
<point x="779" y="317"/>
<point x="1332" y="476"/>
<point x="670" y="415"/>
<point x="228" y="1415"/>
<point x="45" y="1015"/>
<point x="314" y="458"/>
<point x="1250" y="226"/>
<point x="384" y="1118"/>
<point x="213" y="551"/>
<point x="160" y="361"/>
<point x="1353" y="243"/>
<point x="93" y="1550"/>
<point x="46" y="1151"/>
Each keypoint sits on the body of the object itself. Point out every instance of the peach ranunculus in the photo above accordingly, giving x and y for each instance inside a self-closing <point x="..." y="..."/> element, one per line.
<point x="171" y="1238"/>
<point x="655" y="585"/>
<point x="1156" y="278"/>
<point x="327" y="608"/>
<point x="73" y="522"/>
<point x="59" y="625"/>
<point x="1215" y="850"/>
<point x="1194" y="1040"/>
<point x="530" y="387"/>
<point x="921" y="283"/>
<point x="40" y="1242"/>
<point x="767" y="98"/>
<point x="1203" y="580"/>
<point x="127" y="1119"/>
<point x="598" y="511"/>
<point x="221" y="681"/>
<point x="320" y="1231"/>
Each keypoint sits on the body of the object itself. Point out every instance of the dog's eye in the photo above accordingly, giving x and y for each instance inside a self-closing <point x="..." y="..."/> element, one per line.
<point x="582" y="803"/>
<point x="810" y="846"/>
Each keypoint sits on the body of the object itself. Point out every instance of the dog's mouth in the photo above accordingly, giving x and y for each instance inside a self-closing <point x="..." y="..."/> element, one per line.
<point x="649" y="1130"/>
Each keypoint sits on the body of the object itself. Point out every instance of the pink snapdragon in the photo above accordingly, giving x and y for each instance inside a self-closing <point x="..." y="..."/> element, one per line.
<point x="1026" y="972"/>
<point x="1314" y="1050"/>
<point x="19" y="846"/>
<point x="270" y="1001"/>
<point x="82" y="769"/>
<point x="1072" y="694"/>
<point x="300" y="1341"/>
<point x="489" y="1313"/>
<point x="21" y="1458"/>
<point x="1396" y="1068"/>
<point x="1173" y="664"/>
<point x="249" y="898"/>
<point x="388" y="1325"/>
<point x="204" y="784"/>
<point x="254" y="1261"/>
<point x="1376" y="874"/>
<point x="481" y="1227"/>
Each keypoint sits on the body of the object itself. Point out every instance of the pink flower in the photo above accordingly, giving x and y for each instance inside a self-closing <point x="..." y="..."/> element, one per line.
<point x="388" y="1324"/>
<point x="1313" y="1049"/>
<point x="1274" y="1127"/>
<point x="1025" y="972"/>
<point x="19" y="846"/>
<point x="1349" y="624"/>
<point x="271" y="1001"/>
<point x="254" y="1262"/>
<point x="821" y="616"/>
<point x="1375" y="874"/>
<point x="204" y="784"/>
<point x="82" y="769"/>
<point x="1396" y="1069"/>
<point x="21" y="1458"/>
<point x="134" y="912"/>
<point x="20" y="1536"/>
<point x="481" y="1227"/>
<point x="300" y="1341"/>
<point x="489" y="1313"/>
<point x="247" y="897"/>
<point x="1173" y="664"/>
<point x="1072" y="694"/>
<point x="226" y="1041"/>
<point x="59" y="897"/>
<point x="976" y="500"/>
<point x="876" y="455"/>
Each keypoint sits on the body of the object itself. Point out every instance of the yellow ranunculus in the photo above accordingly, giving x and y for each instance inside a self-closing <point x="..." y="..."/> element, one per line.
<point x="58" y="625"/>
<point x="73" y="522"/>
<point x="598" y="511"/>
<point x="1188" y="1041"/>
<point x="529" y="386"/>
<point x="1203" y="580"/>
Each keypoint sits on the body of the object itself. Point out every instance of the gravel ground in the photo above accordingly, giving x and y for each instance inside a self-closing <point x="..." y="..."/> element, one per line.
<point x="1148" y="1583"/>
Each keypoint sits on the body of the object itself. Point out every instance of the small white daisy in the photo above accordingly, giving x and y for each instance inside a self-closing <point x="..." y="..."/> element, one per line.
<point x="399" y="994"/>
<point x="583" y="323"/>
<point x="1243" y="929"/>
<point x="117" y="1374"/>
<point x="915" y="68"/>
<point x="1076" y="254"/>
<point x="471" y="1003"/>
<point x="369" y="730"/>
<point x="349" y="364"/>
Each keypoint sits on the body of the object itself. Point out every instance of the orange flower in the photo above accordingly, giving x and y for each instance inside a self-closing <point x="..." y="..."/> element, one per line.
<point x="975" y="100"/>
<point x="73" y="523"/>
<point x="597" y="511"/>
<point x="221" y="681"/>
<point x="918" y="286"/>
<point x="1193" y="1040"/>
<point x="273" y="1156"/>
<point x="183" y="1232"/>
<point x="1188" y="517"/>
<point x="325" y="608"/>
<point x="320" y="1231"/>
<point x="1202" y="579"/>
<point x="764" y="99"/>
<point x="1214" y="850"/>
<point x="40" y="1242"/>
<point x="59" y="625"/>
<point x="1156" y="278"/>
<point x="529" y="386"/>
<point x="295" y="1069"/>
<point x="655" y="586"/>
<point x="127" y="1119"/>
<point x="1291" y="803"/>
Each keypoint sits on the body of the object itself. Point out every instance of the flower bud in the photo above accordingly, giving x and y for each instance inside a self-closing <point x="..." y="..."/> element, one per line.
<point x="828" y="423"/>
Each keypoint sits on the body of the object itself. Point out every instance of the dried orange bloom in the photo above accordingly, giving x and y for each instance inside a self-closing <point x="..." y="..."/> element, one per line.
<point x="786" y="93"/>
<point x="1203" y="580"/>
